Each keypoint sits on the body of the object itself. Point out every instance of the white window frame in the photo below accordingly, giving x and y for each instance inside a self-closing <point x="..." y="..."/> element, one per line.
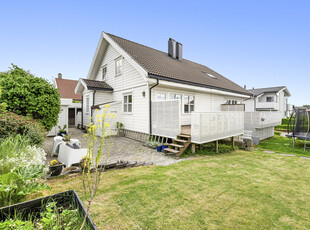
<point x="103" y="77"/>
<point x="118" y="70"/>
<point x="127" y="103"/>
<point x="87" y="104"/>
<point x="189" y="104"/>
<point x="273" y="99"/>
<point x="172" y="96"/>
<point x="161" y="99"/>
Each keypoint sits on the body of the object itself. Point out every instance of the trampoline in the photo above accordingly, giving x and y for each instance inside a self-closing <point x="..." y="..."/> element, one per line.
<point x="299" y="122"/>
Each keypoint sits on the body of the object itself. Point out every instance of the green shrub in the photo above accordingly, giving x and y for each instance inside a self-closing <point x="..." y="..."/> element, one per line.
<point x="12" y="124"/>
<point x="19" y="183"/>
<point x="32" y="96"/>
<point x="15" y="151"/>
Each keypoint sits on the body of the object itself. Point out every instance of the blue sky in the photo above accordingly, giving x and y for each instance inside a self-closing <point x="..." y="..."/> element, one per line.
<point x="258" y="43"/>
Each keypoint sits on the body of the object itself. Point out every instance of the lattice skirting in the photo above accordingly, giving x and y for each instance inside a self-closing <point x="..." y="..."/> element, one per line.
<point x="136" y="135"/>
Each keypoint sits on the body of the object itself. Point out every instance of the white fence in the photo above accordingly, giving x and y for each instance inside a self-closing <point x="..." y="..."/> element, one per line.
<point x="207" y="127"/>
<point x="262" y="119"/>
<point x="166" y="118"/>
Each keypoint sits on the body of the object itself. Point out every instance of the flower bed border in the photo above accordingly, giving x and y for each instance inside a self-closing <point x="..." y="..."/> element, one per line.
<point x="34" y="206"/>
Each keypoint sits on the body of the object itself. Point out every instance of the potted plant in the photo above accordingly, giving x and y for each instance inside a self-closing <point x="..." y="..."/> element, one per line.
<point x="120" y="129"/>
<point x="159" y="147"/>
<point x="56" y="167"/>
<point x="165" y="145"/>
<point x="62" y="131"/>
<point x="67" y="137"/>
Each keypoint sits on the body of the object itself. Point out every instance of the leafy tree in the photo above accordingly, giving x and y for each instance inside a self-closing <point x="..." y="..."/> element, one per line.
<point x="28" y="95"/>
<point x="3" y="105"/>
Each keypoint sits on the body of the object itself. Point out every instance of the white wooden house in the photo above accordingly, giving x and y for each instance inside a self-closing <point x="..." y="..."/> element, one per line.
<point x="70" y="105"/>
<point x="265" y="110"/>
<point x="159" y="93"/>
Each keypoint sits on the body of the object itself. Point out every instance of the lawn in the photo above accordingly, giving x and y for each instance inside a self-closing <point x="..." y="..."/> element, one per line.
<point x="281" y="144"/>
<point x="239" y="190"/>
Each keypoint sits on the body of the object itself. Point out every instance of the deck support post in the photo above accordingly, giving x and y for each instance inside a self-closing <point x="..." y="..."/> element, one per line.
<point x="216" y="146"/>
<point x="193" y="148"/>
<point x="232" y="141"/>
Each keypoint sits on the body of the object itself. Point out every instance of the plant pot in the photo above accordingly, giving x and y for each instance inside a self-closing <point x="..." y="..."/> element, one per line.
<point x="34" y="207"/>
<point x="164" y="147"/>
<point x="56" y="169"/>
<point x="62" y="133"/>
<point x="159" y="148"/>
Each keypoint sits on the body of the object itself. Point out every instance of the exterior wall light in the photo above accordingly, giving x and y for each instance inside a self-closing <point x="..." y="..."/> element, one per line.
<point x="143" y="93"/>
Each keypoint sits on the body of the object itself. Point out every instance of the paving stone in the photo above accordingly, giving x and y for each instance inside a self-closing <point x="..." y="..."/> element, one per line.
<point x="269" y="152"/>
<point x="121" y="148"/>
<point x="285" y="154"/>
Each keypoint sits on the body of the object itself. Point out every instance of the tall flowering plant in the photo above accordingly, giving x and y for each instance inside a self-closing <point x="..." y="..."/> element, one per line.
<point x="93" y="161"/>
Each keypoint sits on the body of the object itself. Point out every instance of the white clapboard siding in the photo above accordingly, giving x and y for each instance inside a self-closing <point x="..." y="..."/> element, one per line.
<point x="103" y="97"/>
<point x="207" y="127"/>
<point x="86" y="116"/>
<point x="262" y="119"/>
<point x="165" y="118"/>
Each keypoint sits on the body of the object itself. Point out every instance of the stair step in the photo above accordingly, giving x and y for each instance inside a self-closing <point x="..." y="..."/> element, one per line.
<point x="184" y="135"/>
<point x="179" y="140"/>
<point x="176" y="145"/>
<point x="171" y="151"/>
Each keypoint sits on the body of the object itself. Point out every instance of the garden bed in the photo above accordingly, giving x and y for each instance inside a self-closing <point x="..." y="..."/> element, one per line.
<point x="33" y="209"/>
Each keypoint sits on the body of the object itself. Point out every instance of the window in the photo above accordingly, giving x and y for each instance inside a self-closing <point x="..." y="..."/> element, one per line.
<point x="104" y="72"/>
<point x="128" y="103"/>
<point x="118" y="66"/>
<point x="174" y="96"/>
<point x="269" y="99"/>
<point x="209" y="75"/>
<point x="87" y="104"/>
<point x="161" y="96"/>
<point x="189" y="104"/>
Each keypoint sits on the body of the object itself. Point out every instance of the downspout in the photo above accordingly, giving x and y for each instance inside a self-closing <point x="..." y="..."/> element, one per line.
<point x="150" y="102"/>
<point x="82" y="111"/>
<point x="91" y="111"/>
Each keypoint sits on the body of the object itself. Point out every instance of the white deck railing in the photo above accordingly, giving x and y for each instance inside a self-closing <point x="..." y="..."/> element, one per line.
<point x="211" y="126"/>
<point x="166" y="118"/>
<point x="262" y="119"/>
<point x="267" y="105"/>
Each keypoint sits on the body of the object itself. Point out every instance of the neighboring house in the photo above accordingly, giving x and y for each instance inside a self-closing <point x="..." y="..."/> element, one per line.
<point x="160" y="93"/>
<point x="265" y="110"/>
<point x="70" y="104"/>
<point x="269" y="99"/>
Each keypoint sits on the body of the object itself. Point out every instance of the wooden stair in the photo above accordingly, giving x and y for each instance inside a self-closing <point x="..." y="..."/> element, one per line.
<point x="178" y="145"/>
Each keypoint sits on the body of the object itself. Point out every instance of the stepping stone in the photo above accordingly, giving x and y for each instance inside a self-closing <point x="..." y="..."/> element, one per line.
<point x="308" y="158"/>
<point x="269" y="152"/>
<point x="285" y="154"/>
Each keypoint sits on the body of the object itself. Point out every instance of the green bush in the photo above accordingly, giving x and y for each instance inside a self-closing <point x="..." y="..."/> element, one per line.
<point x="19" y="183"/>
<point x="209" y="149"/>
<point x="12" y="124"/>
<point x="32" y="96"/>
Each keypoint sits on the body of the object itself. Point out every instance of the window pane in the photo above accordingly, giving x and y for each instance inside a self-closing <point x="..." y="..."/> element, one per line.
<point x="185" y="99"/>
<point x="161" y="96"/>
<point x="125" y="99"/>
<point x="125" y="107"/>
<point x="185" y="108"/>
<point x="171" y="96"/>
<point x="130" y="98"/>
<point x="192" y="108"/>
<point x="191" y="100"/>
<point x="129" y="107"/>
<point x="177" y="96"/>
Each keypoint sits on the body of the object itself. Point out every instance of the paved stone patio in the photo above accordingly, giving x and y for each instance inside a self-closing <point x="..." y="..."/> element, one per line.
<point x="122" y="148"/>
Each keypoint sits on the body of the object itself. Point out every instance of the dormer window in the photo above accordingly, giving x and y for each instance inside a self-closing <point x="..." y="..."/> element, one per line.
<point x="118" y="66"/>
<point x="104" y="72"/>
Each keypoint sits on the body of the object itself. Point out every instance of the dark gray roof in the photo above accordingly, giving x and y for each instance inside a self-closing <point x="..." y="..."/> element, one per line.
<point x="159" y="65"/>
<point x="259" y="91"/>
<point x="97" y="85"/>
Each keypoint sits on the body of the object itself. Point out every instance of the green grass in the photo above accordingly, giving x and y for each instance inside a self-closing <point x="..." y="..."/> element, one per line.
<point x="239" y="190"/>
<point x="281" y="144"/>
